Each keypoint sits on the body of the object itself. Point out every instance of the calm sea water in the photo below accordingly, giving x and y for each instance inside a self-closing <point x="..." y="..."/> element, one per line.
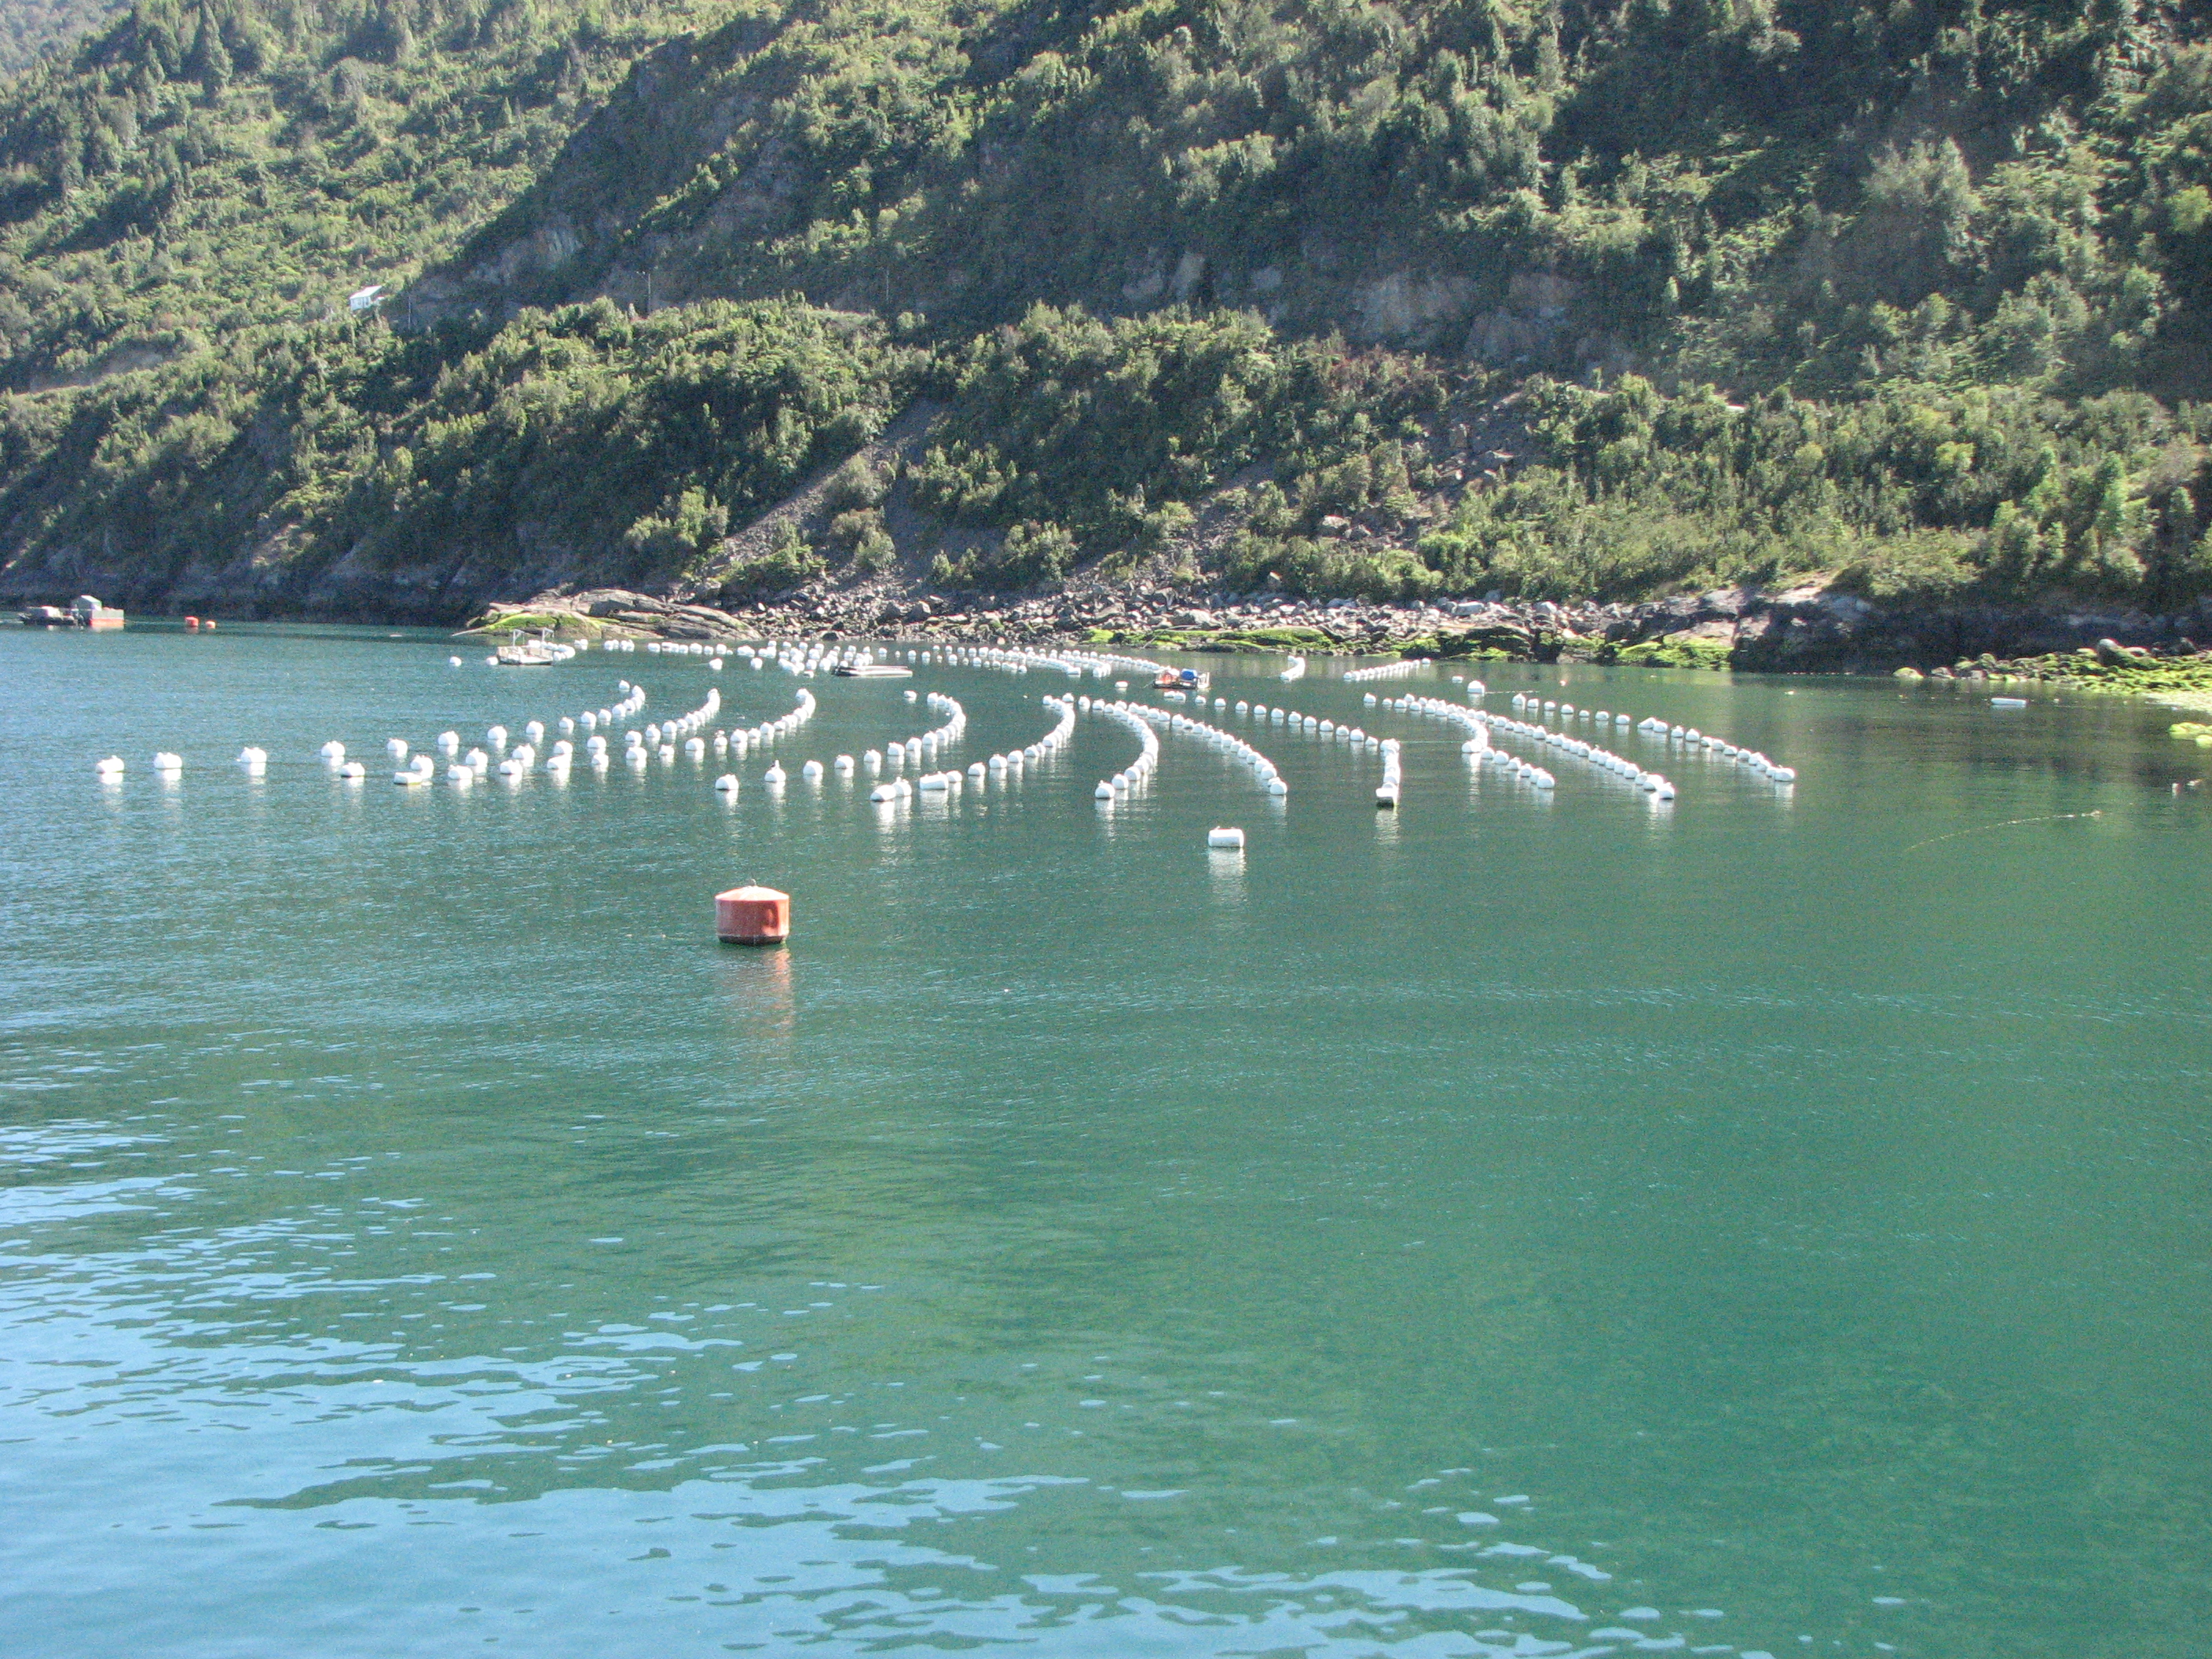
<point x="1776" y="1224"/>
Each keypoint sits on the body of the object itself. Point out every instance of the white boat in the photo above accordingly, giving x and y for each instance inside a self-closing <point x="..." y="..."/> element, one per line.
<point x="525" y="654"/>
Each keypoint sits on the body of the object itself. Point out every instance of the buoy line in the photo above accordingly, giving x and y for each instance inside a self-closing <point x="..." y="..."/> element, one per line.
<point x="1688" y="738"/>
<point x="1314" y="725"/>
<point x="764" y="735"/>
<point x="1604" y="759"/>
<point x="916" y="750"/>
<point x="1476" y="747"/>
<point x="1008" y="768"/>
<point x="1133" y="776"/>
<point x="1262" y="769"/>
<point x="1389" y="670"/>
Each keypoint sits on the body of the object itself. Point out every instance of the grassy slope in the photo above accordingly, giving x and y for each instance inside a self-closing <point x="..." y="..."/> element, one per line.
<point x="1946" y="264"/>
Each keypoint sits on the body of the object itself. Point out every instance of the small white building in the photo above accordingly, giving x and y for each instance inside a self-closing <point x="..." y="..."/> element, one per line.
<point x="366" y="299"/>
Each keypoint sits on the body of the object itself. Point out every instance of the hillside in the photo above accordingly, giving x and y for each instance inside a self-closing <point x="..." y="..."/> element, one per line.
<point x="30" y="29"/>
<point x="1579" y="301"/>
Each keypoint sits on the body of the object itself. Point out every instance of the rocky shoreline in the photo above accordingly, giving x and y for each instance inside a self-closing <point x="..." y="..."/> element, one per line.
<point x="1801" y="630"/>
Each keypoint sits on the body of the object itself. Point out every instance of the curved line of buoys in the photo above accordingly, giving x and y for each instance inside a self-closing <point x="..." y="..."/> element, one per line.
<point x="1690" y="738"/>
<point x="917" y="748"/>
<point x="1315" y="725"/>
<point x="763" y="735"/>
<point x="1133" y="776"/>
<point x="1581" y="749"/>
<point x="1263" y="770"/>
<point x="1008" y="768"/>
<point x="1687" y="739"/>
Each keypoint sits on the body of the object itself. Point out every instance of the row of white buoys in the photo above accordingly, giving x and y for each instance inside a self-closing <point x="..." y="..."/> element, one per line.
<point x="1652" y="783"/>
<point x="1008" y="768"/>
<point x="1312" y="725"/>
<point x="1469" y="720"/>
<point x="1689" y="737"/>
<point x="897" y="755"/>
<point x="1099" y="665"/>
<point x="1476" y="748"/>
<point x="738" y="741"/>
<point x="1133" y="776"/>
<point x="924" y="750"/>
<point x="1262" y="769"/>
<point x="1389" y="670"/>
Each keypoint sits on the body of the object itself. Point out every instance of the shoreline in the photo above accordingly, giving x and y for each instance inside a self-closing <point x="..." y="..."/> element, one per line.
<point x="1809" y="629"/>
<point x="1804" y="630"/>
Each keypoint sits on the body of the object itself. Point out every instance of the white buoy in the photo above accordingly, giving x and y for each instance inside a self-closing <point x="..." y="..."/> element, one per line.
<point x="1223" y="838"/>
<point x="454" y="661"/>
<point x="773" y="777"/>
<point x="352" y="771"/>
<point x="164" y="760"/>
<point x="110" y="767"/>
<point x="727" y="783"/>
<point x="811" y="771"/>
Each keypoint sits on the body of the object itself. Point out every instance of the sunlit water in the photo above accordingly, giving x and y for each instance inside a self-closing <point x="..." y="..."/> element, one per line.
<point x="1754" y="1226"/>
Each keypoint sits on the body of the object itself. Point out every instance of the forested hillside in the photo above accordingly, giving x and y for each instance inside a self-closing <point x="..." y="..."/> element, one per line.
<point x="30" y="28"/>
<point x="1548" y="301"/>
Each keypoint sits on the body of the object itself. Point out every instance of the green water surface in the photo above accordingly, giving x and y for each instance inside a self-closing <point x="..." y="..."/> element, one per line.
<point x="1775" y="1223"/>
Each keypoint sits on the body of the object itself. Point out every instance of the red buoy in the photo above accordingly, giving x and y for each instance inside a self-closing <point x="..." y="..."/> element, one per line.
<point x="752" y="915"/>
<point x="192" y="624"/>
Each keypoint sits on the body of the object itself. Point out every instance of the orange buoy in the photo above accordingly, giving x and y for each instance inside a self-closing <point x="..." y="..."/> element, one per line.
<point x="192" y="624"/>
<point x="752" y="915"/>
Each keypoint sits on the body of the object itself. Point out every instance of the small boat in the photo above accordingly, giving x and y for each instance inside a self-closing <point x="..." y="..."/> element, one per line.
<point x="525" y="653"/>
<point x="88" y="613"/>
<point x="1186" y="679"/>
<point x="871" y="671"/>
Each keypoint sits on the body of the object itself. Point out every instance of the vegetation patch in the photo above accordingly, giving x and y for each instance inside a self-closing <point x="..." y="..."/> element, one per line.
<point x="1674" y="653"/>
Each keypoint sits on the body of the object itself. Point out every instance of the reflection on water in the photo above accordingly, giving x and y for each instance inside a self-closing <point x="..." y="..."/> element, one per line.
<point x="1225" y="871"/>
